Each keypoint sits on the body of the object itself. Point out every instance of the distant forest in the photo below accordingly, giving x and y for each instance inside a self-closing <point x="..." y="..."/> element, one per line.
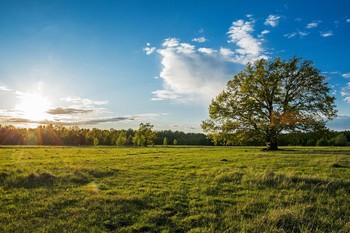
<point x="75" y="136"/>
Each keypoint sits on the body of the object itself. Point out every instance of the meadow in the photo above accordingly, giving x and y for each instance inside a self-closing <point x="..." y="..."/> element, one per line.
<point x="174" y="189"/>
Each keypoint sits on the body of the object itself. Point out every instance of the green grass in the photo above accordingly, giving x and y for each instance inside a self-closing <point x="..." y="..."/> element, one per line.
<point x="174" y="189"/>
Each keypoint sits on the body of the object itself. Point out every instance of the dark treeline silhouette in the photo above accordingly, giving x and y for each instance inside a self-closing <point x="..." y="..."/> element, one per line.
<point x="324" y="138"/>
<point x="74" y="136"/>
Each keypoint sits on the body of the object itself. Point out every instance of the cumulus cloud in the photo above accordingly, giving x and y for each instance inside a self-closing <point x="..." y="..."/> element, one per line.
<point x="189" y="74"/>
<point x="249" y="48"/>
<point x="327" y="34"/>
<point x="171" y="42"/>
<point x="272" y="20"/>
<point x="149" y="49"/>
<point x="199" y="39"/>
<point x="226" y="52"/>
<point x="208" y="51"/>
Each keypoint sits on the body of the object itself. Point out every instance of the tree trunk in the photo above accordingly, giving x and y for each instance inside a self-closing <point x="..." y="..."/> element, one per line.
<point x="271" y="140"/>
<point x="272" y="145"/>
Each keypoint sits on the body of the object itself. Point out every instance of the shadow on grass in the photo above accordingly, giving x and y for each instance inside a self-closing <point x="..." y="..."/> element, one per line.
<point x="49" y="180"/>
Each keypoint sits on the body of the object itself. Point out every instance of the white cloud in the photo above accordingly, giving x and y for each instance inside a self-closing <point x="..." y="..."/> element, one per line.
<point x="226" y="52"/>
<point x="311" y="25"/>
<point x="272" y="20"/>
<point x="265" y="32"/>
<point x="208" y="51"/>
<point x="198" y="75"/>
<point x="171" y="42"/>
<point x="345" y="92"/>
<point x="348" y="20"/>
<point x="314" y="24"/>
<point x="4" y="88"/>
<point x="200" y="39"/>
<point x="346" y="75"/>
<point x="190" y="77"/>
<point x="83" y="102"/>
<point x="290" y="35"/>
<point x="149" y="50"/>
<point x="262" y="34"/>
<point x="164" y="95"/>
<point x="301" y="34"/>
<point x="185" y="48"/>
<point x="327" y="34"/>
<point x="248" y="48"/>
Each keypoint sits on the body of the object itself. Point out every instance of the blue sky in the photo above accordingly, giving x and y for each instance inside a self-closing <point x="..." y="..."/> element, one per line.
<point x="114" y="64"/>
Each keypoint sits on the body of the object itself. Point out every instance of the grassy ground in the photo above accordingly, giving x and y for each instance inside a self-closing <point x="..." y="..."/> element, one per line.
<point x="101" y="189"/>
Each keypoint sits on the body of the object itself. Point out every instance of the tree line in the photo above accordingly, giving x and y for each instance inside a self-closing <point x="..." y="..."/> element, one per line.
<point x="75" y="136"/>
<point x="146" y="136"/>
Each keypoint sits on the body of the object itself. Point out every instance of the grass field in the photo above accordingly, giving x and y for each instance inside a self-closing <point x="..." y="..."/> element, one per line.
<point x="179" y="189"/>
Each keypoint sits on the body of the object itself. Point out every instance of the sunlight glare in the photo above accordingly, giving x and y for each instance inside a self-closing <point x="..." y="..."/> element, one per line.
<point x="34" y="107"/>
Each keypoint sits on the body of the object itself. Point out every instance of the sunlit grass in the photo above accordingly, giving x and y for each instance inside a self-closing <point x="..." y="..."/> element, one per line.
<point x="174" y="189"/>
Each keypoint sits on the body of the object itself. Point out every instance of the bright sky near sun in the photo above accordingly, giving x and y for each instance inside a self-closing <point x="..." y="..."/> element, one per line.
<point x="114" y="64"/>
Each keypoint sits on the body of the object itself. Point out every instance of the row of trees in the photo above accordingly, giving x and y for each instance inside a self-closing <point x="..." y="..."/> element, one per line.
<point x="60" y="135"/>
<point x="145" y="136"/>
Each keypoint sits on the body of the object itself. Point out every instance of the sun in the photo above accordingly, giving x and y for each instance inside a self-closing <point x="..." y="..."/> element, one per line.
<point x="33" y="107"/>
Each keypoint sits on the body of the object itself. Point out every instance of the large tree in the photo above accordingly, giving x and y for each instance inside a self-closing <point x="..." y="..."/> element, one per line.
<point x="270" y="97"/>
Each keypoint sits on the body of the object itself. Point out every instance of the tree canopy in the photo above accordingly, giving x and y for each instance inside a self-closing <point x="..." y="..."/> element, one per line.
<point x="270" y="97"/>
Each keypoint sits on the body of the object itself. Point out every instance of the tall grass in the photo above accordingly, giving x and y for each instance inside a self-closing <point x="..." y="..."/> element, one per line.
<point x="209" y="189"/>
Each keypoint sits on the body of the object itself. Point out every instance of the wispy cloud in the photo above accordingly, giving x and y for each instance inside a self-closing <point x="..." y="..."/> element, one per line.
<point x="348" y="20"/>
<point x="326" y="34"/>
<point x="67" y="122"/>
<point x="299" y="33"/>
<point x="68" y="111"/>
<point x="4" y="88"/>
<point x="164" y="95"/>
<point x="83" y="101"/>
<point x="264" y="32"/>
<point x="199" y="39"/>
<point x="346" y="75"/>
<point x="345" y="92"/>
<point x="272" y="20"/>
<point x="314" y="24"/>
